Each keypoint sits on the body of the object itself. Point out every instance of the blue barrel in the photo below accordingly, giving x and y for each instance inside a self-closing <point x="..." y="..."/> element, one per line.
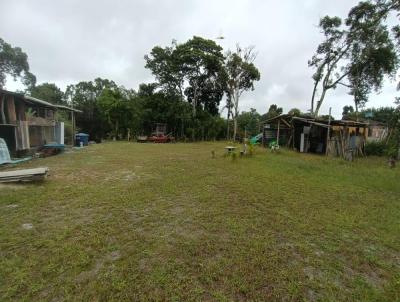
<point x="81" y="137"/>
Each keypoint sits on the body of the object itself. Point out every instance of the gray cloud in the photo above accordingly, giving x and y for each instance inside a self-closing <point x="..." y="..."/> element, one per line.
<point x="70" y="41"/>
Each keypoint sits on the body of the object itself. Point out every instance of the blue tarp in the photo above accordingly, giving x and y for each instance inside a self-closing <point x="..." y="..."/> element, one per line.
<point x="4" y="154"/>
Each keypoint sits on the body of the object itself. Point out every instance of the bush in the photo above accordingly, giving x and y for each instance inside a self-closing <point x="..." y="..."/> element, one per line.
<point x="375" y="148"/>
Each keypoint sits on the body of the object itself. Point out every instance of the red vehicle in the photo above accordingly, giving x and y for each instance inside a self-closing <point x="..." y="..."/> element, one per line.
<point x="161" y="138"/>
<point x="158" y="136"/>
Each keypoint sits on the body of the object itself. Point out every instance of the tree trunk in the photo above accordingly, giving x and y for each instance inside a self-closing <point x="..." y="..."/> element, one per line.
<point x="194" y="110"/>
<point x="313" y="97"/>
<point x="116" y="129"/>
<point x="228" y="125"/>
<point x="234" y="128"/>
<point x="236" y="105"/>
<point x="182" y="132"/>
<point x="321" y="99"/>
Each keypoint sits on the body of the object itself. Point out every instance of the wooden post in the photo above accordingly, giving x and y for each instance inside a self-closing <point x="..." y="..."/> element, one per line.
<point x="293" y="133"/>
<point x="3" y="116"/>
<point x="73" y="127"/>
<point x="328" y="132"/>
<point x="277" y="135"/>
<point x="11" y="113"/>
<point x="263" y="135"/>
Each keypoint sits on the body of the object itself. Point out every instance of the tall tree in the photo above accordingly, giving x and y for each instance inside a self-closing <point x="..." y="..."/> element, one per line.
<point x="48" y="92"/>
<point x="194" y="70"/>
<point x="357" y="54"/>
<point x="273" y="111"/>
<point x="347" y="110"/>
<point x="166" y="67"/>
<point x="14" y="62"/>
<point x="373" y="54"/>
<point x="159" y="107"/>
<point x="241" y="75"/>
<point x="295" y="112"/>
<point x="249" y="121"/>
<point x="120" y="109"/>
<point x="329" y="53"/>
<point x="202" y="62"/>
<point x="84" y="96"/>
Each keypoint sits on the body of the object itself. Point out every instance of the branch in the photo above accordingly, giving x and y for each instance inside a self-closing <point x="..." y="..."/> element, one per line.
<point x="343" y="84"/>
<point x="338" y="80"/>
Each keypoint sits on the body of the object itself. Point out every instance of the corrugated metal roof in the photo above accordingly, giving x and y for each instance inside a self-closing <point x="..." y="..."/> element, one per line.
<point x="68" y="108"/>
<point x="31" y="99"/>
<point x="37" y="101"/>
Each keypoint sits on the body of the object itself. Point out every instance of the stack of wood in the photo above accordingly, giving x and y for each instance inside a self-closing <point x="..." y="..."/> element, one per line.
<point x="26" y="175"/>
<point x="340" y="144"/>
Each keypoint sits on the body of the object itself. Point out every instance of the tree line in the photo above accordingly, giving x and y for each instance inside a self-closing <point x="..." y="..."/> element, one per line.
<point x="193" y="78"/>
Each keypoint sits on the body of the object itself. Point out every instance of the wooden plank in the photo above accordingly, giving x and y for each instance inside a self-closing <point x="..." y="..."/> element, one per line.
<point x="328" y="132"/>
<point x="12" y="116"/>
<point x="20" y="106"/>
<point x="277" y="135"/>
<point x="286" y="123"/>
<point x="23" y="135"/>
<point x="3" y="116"/>
<point x="23" y="173"/>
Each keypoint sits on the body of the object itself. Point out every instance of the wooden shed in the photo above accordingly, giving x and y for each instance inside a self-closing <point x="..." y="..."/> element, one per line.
<point x="307" y="134"/>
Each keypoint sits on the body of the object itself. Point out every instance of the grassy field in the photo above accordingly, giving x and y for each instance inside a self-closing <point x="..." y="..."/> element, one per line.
<point x="135" y="222"/>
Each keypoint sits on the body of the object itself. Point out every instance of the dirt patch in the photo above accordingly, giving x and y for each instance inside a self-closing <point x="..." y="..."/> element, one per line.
<point x="126" y="175"/>
<point x="115" y="255"/>
<point x="98" y="265"/>
<point x="12" y="186"/>
<point x="11" y="206"/>
<point x="27" y="226"/>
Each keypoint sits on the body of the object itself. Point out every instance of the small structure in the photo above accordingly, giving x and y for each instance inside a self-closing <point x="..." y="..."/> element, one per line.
<point x="307" y="134"/>
<point x="29" y="123"/>
<point x="377" y="131"/>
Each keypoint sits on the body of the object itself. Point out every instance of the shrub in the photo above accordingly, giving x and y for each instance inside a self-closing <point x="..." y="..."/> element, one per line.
<point x="375" y="148"/>
<point x="250" y="149"/>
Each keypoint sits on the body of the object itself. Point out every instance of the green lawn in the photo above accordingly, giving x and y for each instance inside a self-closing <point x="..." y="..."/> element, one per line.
<point x="135" y="222"/>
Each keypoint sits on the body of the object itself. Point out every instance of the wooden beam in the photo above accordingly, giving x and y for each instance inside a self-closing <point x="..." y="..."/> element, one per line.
<point x="287" y="124"/>
<point x="12" y="116"/>
<point x="277" y="135"/>
<point x="328" y="132"/>
<point x="3" y="116"/>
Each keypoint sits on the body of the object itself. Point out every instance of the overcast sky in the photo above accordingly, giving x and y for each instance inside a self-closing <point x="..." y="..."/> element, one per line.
<point x="71" y="41"/>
